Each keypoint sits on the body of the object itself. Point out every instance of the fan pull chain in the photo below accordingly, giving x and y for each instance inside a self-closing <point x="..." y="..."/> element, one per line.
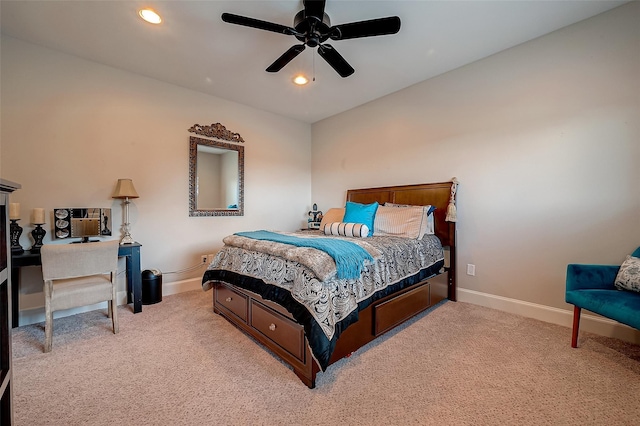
<point x="314" y="66"/>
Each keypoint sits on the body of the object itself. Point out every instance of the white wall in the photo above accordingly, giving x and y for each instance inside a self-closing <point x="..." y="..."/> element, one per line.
<point x="545" y="140"/>
<point x="71" y="128"/>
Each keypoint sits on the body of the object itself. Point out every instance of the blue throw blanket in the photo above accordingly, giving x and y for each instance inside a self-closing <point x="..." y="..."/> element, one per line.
<point x="349" y="257"/>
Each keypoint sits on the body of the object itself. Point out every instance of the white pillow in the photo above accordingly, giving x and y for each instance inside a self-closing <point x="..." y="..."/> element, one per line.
<point x="628" y="277"/>
<point x="398" y="221"/>
<point x="428" y="225"/>
<point x="332" y="215"/>
<point x="346" y="229"/>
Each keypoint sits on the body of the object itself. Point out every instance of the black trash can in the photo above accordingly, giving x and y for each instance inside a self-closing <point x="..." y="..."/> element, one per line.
<point x="151" y="286"/>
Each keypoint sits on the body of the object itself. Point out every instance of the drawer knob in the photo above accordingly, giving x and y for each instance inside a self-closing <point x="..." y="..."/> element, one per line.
<point x="272" y="327"/>
<point x="228" y="299"/>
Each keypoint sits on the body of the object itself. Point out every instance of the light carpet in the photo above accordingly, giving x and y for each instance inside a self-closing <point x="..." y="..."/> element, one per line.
<point x="178" y="363"/>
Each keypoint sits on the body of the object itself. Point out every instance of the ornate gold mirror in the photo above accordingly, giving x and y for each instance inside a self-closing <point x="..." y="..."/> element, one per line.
<point x="216" y="172"/>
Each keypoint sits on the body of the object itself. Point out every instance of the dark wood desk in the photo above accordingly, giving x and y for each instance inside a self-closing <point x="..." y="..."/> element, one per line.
<point x="131" y="253"/>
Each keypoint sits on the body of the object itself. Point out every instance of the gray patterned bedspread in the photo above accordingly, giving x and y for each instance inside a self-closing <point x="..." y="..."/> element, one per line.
<point x="309" y="275"/>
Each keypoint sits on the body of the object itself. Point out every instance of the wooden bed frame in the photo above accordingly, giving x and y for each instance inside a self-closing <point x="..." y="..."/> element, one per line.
<point x="276" y="329"/>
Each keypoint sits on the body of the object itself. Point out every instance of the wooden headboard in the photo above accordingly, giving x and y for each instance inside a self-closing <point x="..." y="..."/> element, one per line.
<point x="435" y="194"/>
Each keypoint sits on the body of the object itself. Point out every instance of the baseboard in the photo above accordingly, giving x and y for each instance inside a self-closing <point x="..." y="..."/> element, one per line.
<point x="588" y="322"/>
<point x="181" y="286"/>
<point x="33" y="304"/>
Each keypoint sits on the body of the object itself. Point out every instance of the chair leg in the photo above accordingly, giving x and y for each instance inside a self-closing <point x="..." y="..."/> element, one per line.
<point x="109" y="309"/>
<point x="114" y="315"/>
<point x="576" y="326"/>
<point x="48" y="324"/>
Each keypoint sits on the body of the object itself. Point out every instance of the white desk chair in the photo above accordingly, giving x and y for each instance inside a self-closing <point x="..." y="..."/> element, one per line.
<point x="78" y="275"/>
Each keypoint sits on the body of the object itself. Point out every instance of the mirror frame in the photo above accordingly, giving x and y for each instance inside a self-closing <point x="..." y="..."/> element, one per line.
<point x="217" y="131"/>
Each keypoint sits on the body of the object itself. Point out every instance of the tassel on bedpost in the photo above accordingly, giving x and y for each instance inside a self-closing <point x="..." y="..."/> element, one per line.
<point x="451" y="208"/>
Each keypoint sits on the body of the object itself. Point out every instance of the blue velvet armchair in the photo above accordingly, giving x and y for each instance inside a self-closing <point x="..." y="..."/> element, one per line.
<point x="592" y="287"/>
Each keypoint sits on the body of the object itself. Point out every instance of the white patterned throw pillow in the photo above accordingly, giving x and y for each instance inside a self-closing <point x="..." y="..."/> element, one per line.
<point x="346" y="229"/>
<point x="629" y="275"/>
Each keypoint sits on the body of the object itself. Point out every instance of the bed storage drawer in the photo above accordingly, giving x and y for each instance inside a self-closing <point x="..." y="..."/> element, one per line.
<point x="280" y="330"/>
<point x="232" y="301"/>
<point x="394" y="311"/>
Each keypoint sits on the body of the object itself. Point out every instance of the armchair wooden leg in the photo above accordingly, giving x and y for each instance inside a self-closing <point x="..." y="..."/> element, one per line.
<point x="48" y="317"/>
<point x="114" y="315"/>
<point x="576" y="326"/>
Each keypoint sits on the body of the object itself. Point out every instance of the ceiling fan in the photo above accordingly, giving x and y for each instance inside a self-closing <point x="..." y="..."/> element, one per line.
<point x="312" y="27"/>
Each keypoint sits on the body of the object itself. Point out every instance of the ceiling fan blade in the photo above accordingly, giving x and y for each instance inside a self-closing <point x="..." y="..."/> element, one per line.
<point x="256" y="23"/>
<point x="314" y="8"/>
<point x="336" y="60"/>
<point x="373" y="27"/>
<point x="286" y="58"/>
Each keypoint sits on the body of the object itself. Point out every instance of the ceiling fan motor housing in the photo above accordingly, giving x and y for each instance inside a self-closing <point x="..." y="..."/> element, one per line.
<point x="311" y="30"/>
<point x="312" y="27"/>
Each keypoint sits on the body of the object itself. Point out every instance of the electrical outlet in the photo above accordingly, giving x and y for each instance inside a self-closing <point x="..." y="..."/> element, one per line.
<point x="471" y="269"/>
<point x="204" y="258"/>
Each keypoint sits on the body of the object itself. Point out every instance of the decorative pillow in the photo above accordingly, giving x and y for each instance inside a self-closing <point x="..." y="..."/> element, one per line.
<point x="332" y="215"/>
<point x="428" y="225"/>
<point x="429" y="208"/>
<point x="346" y="229"/>
<point x="398" y="221"/>
<point x="360" y="213"/>
<point x="629" y="275"/>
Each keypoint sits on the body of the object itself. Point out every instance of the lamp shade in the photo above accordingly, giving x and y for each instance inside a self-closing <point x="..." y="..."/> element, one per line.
<point x="125" y="189"/>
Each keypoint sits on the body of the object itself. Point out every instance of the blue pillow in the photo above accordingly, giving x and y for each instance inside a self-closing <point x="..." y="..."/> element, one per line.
<point x="360" y="213"/>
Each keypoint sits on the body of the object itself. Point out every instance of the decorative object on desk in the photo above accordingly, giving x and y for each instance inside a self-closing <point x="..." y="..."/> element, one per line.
<point x="38" y="216"/>
<point x="315" y="217"/>
<point x="125" y="190"/>
<point x="14" y="211"/>
<point x="38" y="232"/>
<point x="105" y="230"/>
<point x="14" y="228"/>
<point x="81" y="223"/>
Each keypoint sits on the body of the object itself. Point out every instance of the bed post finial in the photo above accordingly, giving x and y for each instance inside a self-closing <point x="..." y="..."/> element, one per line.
<point x="451" y="208"/>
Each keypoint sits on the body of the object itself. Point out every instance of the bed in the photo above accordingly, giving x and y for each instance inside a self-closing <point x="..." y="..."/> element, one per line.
<point x="311" y="318"/>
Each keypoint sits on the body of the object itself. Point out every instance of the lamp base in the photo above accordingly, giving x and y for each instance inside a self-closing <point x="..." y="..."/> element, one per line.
<point x="127" y="239"/>
<point x="38" y="235"/>
<point x="15" y="232"/>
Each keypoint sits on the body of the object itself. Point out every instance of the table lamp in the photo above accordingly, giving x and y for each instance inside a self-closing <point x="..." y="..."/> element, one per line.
<point x="125" y="190"/>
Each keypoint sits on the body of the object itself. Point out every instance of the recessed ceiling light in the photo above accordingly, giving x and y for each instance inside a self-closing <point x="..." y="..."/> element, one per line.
<point x="300" y="80"/>
<point x="150" y="16"/>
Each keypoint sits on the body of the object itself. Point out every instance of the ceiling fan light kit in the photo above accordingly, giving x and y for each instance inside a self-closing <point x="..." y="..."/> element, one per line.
<point x="300" y="80"/>
<point x="150" y="16"/>
<point x="312" y="27"/>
